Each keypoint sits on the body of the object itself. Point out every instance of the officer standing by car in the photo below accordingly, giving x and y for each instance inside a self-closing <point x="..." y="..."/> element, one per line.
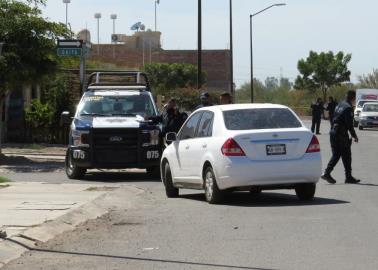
<point x="340" y="141"/>
<point x="317" y="110"/>
<point x="171" y="118"/>
<point x="205" y="101"/>
<point x="331" y="106"/>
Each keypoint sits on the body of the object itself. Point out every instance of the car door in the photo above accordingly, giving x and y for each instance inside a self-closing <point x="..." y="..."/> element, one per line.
<point x="198" y="147"/>
<point x="183" y="146"/>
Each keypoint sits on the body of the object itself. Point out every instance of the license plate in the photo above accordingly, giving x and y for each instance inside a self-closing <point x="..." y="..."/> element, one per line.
<point x="276" y="149"/>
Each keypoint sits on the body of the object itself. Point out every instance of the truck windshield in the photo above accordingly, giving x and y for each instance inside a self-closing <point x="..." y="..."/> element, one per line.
<point x="127" y="105"/>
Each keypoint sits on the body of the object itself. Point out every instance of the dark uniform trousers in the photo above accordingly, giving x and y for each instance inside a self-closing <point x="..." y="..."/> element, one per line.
<point x="316" y="124"/>
<point x="341" y="148"/>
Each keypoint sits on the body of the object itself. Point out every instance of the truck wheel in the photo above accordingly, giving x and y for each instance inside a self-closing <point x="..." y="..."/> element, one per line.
<point x="305" y="192"/>
<point x="170" y="189"/>
<point x="212" y="193"/>
<point x="153" y="171"/>
<point x="72" y="171"/>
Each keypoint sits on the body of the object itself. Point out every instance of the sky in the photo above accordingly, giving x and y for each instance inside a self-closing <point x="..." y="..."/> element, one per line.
<point x="281" y="35"/>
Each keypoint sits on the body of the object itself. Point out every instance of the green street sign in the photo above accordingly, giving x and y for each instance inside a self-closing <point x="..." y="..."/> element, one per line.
<point x="69" y="51"/>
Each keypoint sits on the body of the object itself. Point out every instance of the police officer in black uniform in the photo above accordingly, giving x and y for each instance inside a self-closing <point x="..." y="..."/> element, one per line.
<point x="205" y="101"/>
<point x="331" y="107"/>
<point x="340" y="141"/>
<point x="317" y="110"/>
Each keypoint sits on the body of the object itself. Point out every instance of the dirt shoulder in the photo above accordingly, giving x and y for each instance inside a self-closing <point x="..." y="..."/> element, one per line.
<point x="36" y="149"/>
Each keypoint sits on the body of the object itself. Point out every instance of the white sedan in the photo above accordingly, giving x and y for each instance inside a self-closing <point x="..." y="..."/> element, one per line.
<point x="251" y="147"/>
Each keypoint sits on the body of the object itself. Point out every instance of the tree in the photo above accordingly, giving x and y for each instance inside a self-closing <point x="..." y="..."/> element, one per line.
<point x="322" y="71"/>
<point x="165" y="77"/>
<point x="369" y="81"/>
<point x="29" y="50"/>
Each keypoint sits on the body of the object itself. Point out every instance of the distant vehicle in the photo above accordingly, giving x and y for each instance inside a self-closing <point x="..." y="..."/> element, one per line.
<point x="369" y="116"/>
<point x="109" y="130"/>
<point x="363" y="96"/>
<point x="251" y="147"/>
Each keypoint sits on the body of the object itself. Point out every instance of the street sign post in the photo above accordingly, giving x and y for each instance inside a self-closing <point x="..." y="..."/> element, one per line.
<point x="76" y="47"/>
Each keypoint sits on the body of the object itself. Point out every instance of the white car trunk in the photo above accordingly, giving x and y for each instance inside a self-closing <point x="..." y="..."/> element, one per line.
<point x="282" y="144"/>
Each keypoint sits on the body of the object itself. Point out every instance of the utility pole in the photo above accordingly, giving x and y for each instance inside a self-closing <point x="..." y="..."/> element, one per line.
<point x="199" y="50"/>
<point x="231" y="55"/>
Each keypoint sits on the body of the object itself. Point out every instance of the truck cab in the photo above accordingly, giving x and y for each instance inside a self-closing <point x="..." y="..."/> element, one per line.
<point x="109" y="130"/>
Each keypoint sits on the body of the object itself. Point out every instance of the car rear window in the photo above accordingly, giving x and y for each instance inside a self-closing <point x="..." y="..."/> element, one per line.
<point x="267" y="118"/>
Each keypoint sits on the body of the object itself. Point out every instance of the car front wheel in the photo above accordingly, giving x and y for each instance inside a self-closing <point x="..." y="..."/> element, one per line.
<point x="73" y="171"/>
<point x="305" y="192"/>
<point x="170" y="189"/>
<point x="212" y="192"/>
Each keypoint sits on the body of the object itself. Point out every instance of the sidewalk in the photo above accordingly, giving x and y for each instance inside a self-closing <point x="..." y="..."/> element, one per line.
<point x="37" y="212"/>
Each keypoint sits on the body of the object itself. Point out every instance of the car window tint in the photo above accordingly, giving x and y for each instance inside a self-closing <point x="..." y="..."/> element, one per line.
<point x="205" y="127"/>
<point x="267" y="118"/>
<point x="189" y="129"/>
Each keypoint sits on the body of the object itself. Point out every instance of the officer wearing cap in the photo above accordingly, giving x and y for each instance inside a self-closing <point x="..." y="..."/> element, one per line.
<point x="340" y="141"/>
<point x="205" y="100"/>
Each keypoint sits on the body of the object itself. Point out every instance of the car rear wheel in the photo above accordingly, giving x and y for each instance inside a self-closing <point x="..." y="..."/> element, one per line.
<point x="212" y="192"/>
<point x="305" y="192"/>
<point x="73" y="171"/>
<point x="360" y="127"/>
<point x="170" y="189"/>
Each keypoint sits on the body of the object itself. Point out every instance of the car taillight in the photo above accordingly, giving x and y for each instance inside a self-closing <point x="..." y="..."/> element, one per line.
<point x="231" y="149"/>
<point x="314" y="146"/>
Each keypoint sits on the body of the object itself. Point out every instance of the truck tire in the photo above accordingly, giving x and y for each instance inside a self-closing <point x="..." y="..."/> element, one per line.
<point x="72" y="171"/>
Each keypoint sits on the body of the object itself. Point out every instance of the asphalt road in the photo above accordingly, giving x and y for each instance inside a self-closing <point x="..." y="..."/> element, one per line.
<point x="338" y="230"/>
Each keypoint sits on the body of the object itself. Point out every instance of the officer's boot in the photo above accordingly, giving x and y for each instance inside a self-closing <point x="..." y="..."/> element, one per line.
<point x="327" y="177"/>
<point x="349" y="179"/>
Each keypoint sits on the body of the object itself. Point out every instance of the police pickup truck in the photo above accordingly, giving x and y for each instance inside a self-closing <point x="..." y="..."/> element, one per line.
<point x="109" y="130"/>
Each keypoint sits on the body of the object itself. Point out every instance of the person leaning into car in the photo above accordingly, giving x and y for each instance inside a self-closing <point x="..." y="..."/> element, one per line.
<point x="340" y="141"/>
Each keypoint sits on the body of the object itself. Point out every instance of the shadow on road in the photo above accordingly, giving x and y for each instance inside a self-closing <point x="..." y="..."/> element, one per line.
<point x="265" y="199"/>
<point x="128" y="258"/>
<point x="117" y="177"/>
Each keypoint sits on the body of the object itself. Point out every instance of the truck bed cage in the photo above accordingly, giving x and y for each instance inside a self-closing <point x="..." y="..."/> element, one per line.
<point x="119" y="78"/>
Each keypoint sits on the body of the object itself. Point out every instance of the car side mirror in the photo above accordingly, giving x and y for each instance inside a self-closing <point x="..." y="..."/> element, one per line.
<point x="171" y="137"/>
<point x="65" y="117"/>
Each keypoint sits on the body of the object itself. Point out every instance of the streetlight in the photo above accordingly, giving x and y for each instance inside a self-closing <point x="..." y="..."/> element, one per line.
<point x="157" y="2"/>
<point x="114" y="18"/>
<point x="98" y="17"/>
<point x="250" y="22"/>
<point x="66" y="2"/>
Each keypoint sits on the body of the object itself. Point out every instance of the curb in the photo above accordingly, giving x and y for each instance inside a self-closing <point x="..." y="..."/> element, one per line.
<point x="14" y="247"/>
<point x="32" y="154"/>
